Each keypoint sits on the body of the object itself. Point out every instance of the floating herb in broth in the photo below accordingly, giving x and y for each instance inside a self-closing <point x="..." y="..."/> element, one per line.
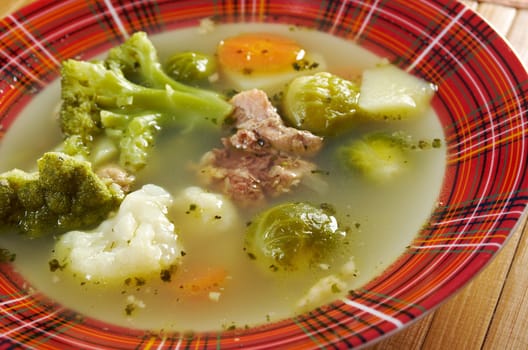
<point x="217" y="286"/>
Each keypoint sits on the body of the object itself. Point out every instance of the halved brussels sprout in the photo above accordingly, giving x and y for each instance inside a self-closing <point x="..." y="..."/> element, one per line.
<point x="190" y="67"/>
<point x="322" y="103"/>
<point x="379" y="156"/>
<point x="294" y="236"/>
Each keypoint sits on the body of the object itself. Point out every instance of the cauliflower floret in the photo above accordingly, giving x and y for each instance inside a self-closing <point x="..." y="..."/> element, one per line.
<point x="349" y="268"/>
<point x="138" y="241"/>
<point x="322" y="291"/>
<point x="196" y="211"/>
<point x="328" y="288"/>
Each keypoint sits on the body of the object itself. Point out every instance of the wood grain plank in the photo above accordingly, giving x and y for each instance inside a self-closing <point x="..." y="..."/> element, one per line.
<point x="518" y="36"/>
<point x="7" y="7"/>
<point x="508" y="329"/>
<point x="500" y="17"/>
<point x="462" y="322"/>
<point x="512" y="3"/>
<point x="412" y="337"/>
<point x="471" y="4"/>
<point x="452" y="325"/>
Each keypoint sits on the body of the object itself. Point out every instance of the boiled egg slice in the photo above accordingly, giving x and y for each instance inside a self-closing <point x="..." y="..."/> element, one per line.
<point x="265" y="61"/>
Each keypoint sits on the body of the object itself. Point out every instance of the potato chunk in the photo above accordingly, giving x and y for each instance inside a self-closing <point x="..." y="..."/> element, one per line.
<point x="388" y="92"/>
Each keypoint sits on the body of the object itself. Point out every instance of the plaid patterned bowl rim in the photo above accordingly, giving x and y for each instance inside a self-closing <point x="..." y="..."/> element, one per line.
<point x="482" y="104"/>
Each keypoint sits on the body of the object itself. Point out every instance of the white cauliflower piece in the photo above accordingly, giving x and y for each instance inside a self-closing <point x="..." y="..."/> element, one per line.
<point x="138" y="241"/>
<point x="328" y="288"/>
<point x="324" y="290"/>
<point x="349" y="268"/>
<point x="196" y="211"/>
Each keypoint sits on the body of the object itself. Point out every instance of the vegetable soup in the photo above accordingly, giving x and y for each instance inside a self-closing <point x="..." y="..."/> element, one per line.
<point x="258" y="212"/>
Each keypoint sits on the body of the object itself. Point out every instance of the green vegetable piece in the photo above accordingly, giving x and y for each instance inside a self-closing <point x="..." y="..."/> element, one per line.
<point x="65" y="194"/>
<point x="129" y="82"/>
<point x="378" y="156"/>
<point x="388" y="92"/>
<point x="293" y="236"/>
<point x="138" y="59"/>
<point x="322" y="103"/>
<point x="134" y="136"/>
<point x="190" y="67"/>
<point x="108" y="89"/>
<point x="74" y="145"/>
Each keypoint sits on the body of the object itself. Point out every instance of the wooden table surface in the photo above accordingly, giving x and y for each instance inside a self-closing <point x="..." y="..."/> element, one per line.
<point x="491" y="312"/>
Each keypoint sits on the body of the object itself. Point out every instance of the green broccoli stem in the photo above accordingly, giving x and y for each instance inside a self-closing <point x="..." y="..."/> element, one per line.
<point x="175" y="107"/>
<point x="137" y="58"/>
<point x="113" y="91"/>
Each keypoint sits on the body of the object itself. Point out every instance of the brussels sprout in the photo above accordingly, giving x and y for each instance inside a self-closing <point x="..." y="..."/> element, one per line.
<point x="293" y="236"/>
<point x="190" y="67"/>
<point x="322" y="103"/>
<point x="378" y="156"/>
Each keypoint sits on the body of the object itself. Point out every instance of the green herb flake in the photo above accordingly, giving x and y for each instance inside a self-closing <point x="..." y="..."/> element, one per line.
<point x="303" y="65"/>
<point x="192" y="207"/>
<point x="166" y="275"/>
<point x="129" y="309"/>
<point x="328" y="208"/>
<point x="54" y="265"/>
<point x="321" y="172"/>
<point x="140" y="281"/>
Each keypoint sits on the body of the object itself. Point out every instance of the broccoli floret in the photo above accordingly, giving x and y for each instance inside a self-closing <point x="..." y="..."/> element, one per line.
<point x="74" y="145"/>
<point x="133" y="135"/>
<point x="378" y="156"/>
<point x="94" y="85"/>
<point x="107" y="90"/>
<point x="294" y="237"/>
<point x="64" y="194"/>
<point x="130" y="83"/>
<point x="138" y="59"/>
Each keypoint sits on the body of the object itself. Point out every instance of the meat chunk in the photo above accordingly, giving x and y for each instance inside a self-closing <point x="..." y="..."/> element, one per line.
<point x="259" y="125"/>
<point x="118" y="176"/>
<point x="249" y="178"/>
<point x="263" y="158"/>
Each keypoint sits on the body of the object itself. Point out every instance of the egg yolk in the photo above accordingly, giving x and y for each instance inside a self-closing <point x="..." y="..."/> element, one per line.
<point x="258" y="53"/>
